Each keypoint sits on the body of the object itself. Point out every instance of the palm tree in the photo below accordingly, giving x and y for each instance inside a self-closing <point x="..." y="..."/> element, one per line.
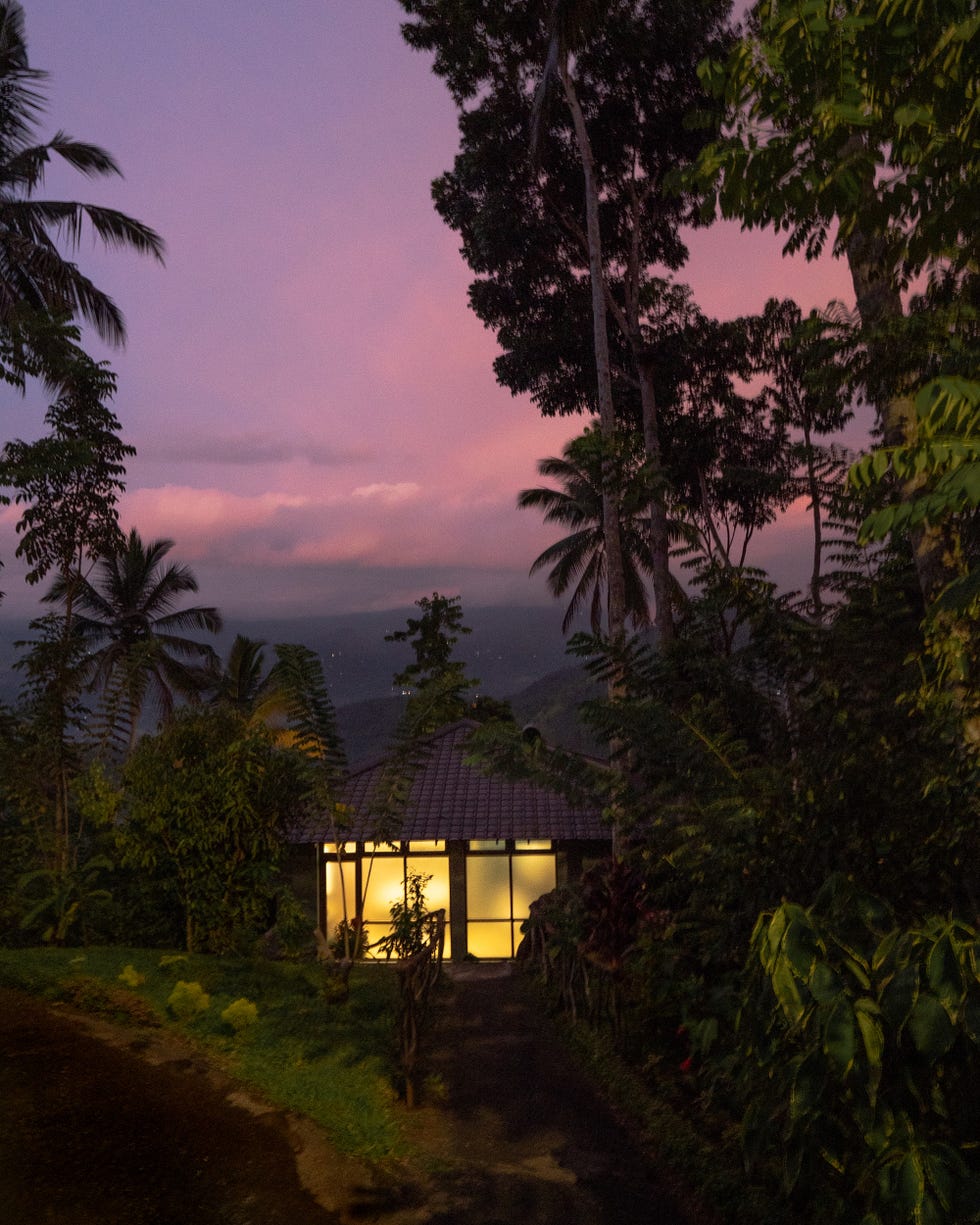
<point x="243" y="684"/>
<point x="578" y="561"/>
<point x="129" y="621"/>
<point x="36" y="282"/>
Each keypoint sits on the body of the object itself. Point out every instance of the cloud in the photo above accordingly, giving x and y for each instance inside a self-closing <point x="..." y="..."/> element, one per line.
<point x="184" y="513"/>
<point x="390" y="495"/>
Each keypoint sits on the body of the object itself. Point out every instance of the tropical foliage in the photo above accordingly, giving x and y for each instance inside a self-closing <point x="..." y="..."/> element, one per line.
<point x="39" y="287"/>
<point x="130" y="621"/>
<point x="578" y="561"/>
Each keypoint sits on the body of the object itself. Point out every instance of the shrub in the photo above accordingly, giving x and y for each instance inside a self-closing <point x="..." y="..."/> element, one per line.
<point x="240" y="1014"/>
<point x="862" y="1044"/>
<point x="187" y="1000"/>
<point x="131" y="977"/>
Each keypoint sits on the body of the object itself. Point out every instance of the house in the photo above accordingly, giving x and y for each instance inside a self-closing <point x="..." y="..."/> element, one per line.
<point x="490" y="845"/>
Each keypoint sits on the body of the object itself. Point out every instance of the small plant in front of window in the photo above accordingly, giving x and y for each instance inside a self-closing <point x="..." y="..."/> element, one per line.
<point x="408" y="920"/>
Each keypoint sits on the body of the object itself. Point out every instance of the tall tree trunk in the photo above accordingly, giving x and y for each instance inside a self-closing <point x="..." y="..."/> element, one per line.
<point x="659" y="533"/>
<point x="612" y="537"/>
<point x="612" y="534"/>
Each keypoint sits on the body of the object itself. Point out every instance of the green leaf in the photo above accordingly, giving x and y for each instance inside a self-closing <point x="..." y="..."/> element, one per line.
<point x="774" y="937"/>
<point x="906" y="116"/>
<point x="808" y="1082"/>
<point x="941" y="1176"/>
<point x="800" y="946"/>
<point x="884" y="950"/>
<point x="872" y="1033"/>
<point x="787" y="992"/>
<point x="840" y="1035"/>
<point x="824" y="984"/>
<point x="931" y="1029"/>
<point x="910" y="1185"/>
<point x="943" y="972"/>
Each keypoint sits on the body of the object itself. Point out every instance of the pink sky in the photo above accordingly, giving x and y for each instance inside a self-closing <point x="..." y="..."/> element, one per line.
<point x="317" y="421"/>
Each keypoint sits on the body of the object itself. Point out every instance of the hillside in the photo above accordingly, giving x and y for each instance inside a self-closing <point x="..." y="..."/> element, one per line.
<point x="550" y="703"/>
<point x="508" y="650"/>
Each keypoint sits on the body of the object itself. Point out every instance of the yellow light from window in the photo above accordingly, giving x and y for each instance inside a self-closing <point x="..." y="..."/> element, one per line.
<point x="488" y="887"/>
<point x="489" y="939"/>
<point x="534" y="875"/>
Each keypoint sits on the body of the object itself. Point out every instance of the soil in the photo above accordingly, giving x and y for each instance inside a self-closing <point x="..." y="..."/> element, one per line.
<point x="102" y="1124"/>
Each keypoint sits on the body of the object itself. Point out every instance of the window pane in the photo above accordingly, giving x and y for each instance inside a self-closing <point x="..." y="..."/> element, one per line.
<point x="488" y="939"/>
<point x="415" y="847"/>
<point x="488" y="887"/>
<point x="335" y="905"/>
<point x="499" y="845"/>
<point x="533" y="875"/>
<point x="542" y="844"/>
<point x="386" y="886"/>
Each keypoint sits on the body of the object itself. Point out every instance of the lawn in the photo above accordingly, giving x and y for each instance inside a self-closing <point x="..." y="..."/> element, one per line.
<point x="332" y="1061"/>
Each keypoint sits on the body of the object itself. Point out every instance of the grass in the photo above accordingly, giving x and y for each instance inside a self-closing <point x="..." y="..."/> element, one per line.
<point x="330" y="1061"/>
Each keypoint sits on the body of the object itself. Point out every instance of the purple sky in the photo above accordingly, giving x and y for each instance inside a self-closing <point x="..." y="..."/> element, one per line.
<point x="313" y="404"/>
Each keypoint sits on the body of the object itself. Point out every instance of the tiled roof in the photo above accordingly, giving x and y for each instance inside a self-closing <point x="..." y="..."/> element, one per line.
<point x="451" y="800"/>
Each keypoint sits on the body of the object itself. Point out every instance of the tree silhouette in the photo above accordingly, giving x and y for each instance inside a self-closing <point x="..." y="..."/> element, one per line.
<point x="129" y="620"/>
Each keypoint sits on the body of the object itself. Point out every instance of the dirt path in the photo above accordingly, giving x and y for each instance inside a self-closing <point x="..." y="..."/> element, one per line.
<point x="525" y="1138"/>
<point x="101" y="1124"/>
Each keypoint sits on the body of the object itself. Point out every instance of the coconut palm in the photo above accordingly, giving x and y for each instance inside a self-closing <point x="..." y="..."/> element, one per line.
<point x="36" y="281"/>
<point x="578" y="561"/>
<point x="129" y="620"/>
<point x="290" y="698"/>
<point x="243" y="683"/>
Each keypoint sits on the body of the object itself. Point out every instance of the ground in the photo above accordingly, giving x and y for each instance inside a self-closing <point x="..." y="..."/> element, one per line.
<point x="101" y="1124"/>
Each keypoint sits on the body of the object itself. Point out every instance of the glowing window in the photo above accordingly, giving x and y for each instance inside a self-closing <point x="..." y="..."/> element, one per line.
<point x="387" y="885"/>
<point x="489" y="845"/>
<point x="488" y="888"/>
<point x="532" y="845"/>
<point x="415" y="848"/>
<point x="533" y="875"/>
<point x="337" y="874"/>
<point x="489" y="939"/>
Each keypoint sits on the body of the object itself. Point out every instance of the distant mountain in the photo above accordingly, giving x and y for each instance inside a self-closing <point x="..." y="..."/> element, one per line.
<point x="550" y="704"/>
<point x="518" y="653"/>
<point x="508" y="649"/>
